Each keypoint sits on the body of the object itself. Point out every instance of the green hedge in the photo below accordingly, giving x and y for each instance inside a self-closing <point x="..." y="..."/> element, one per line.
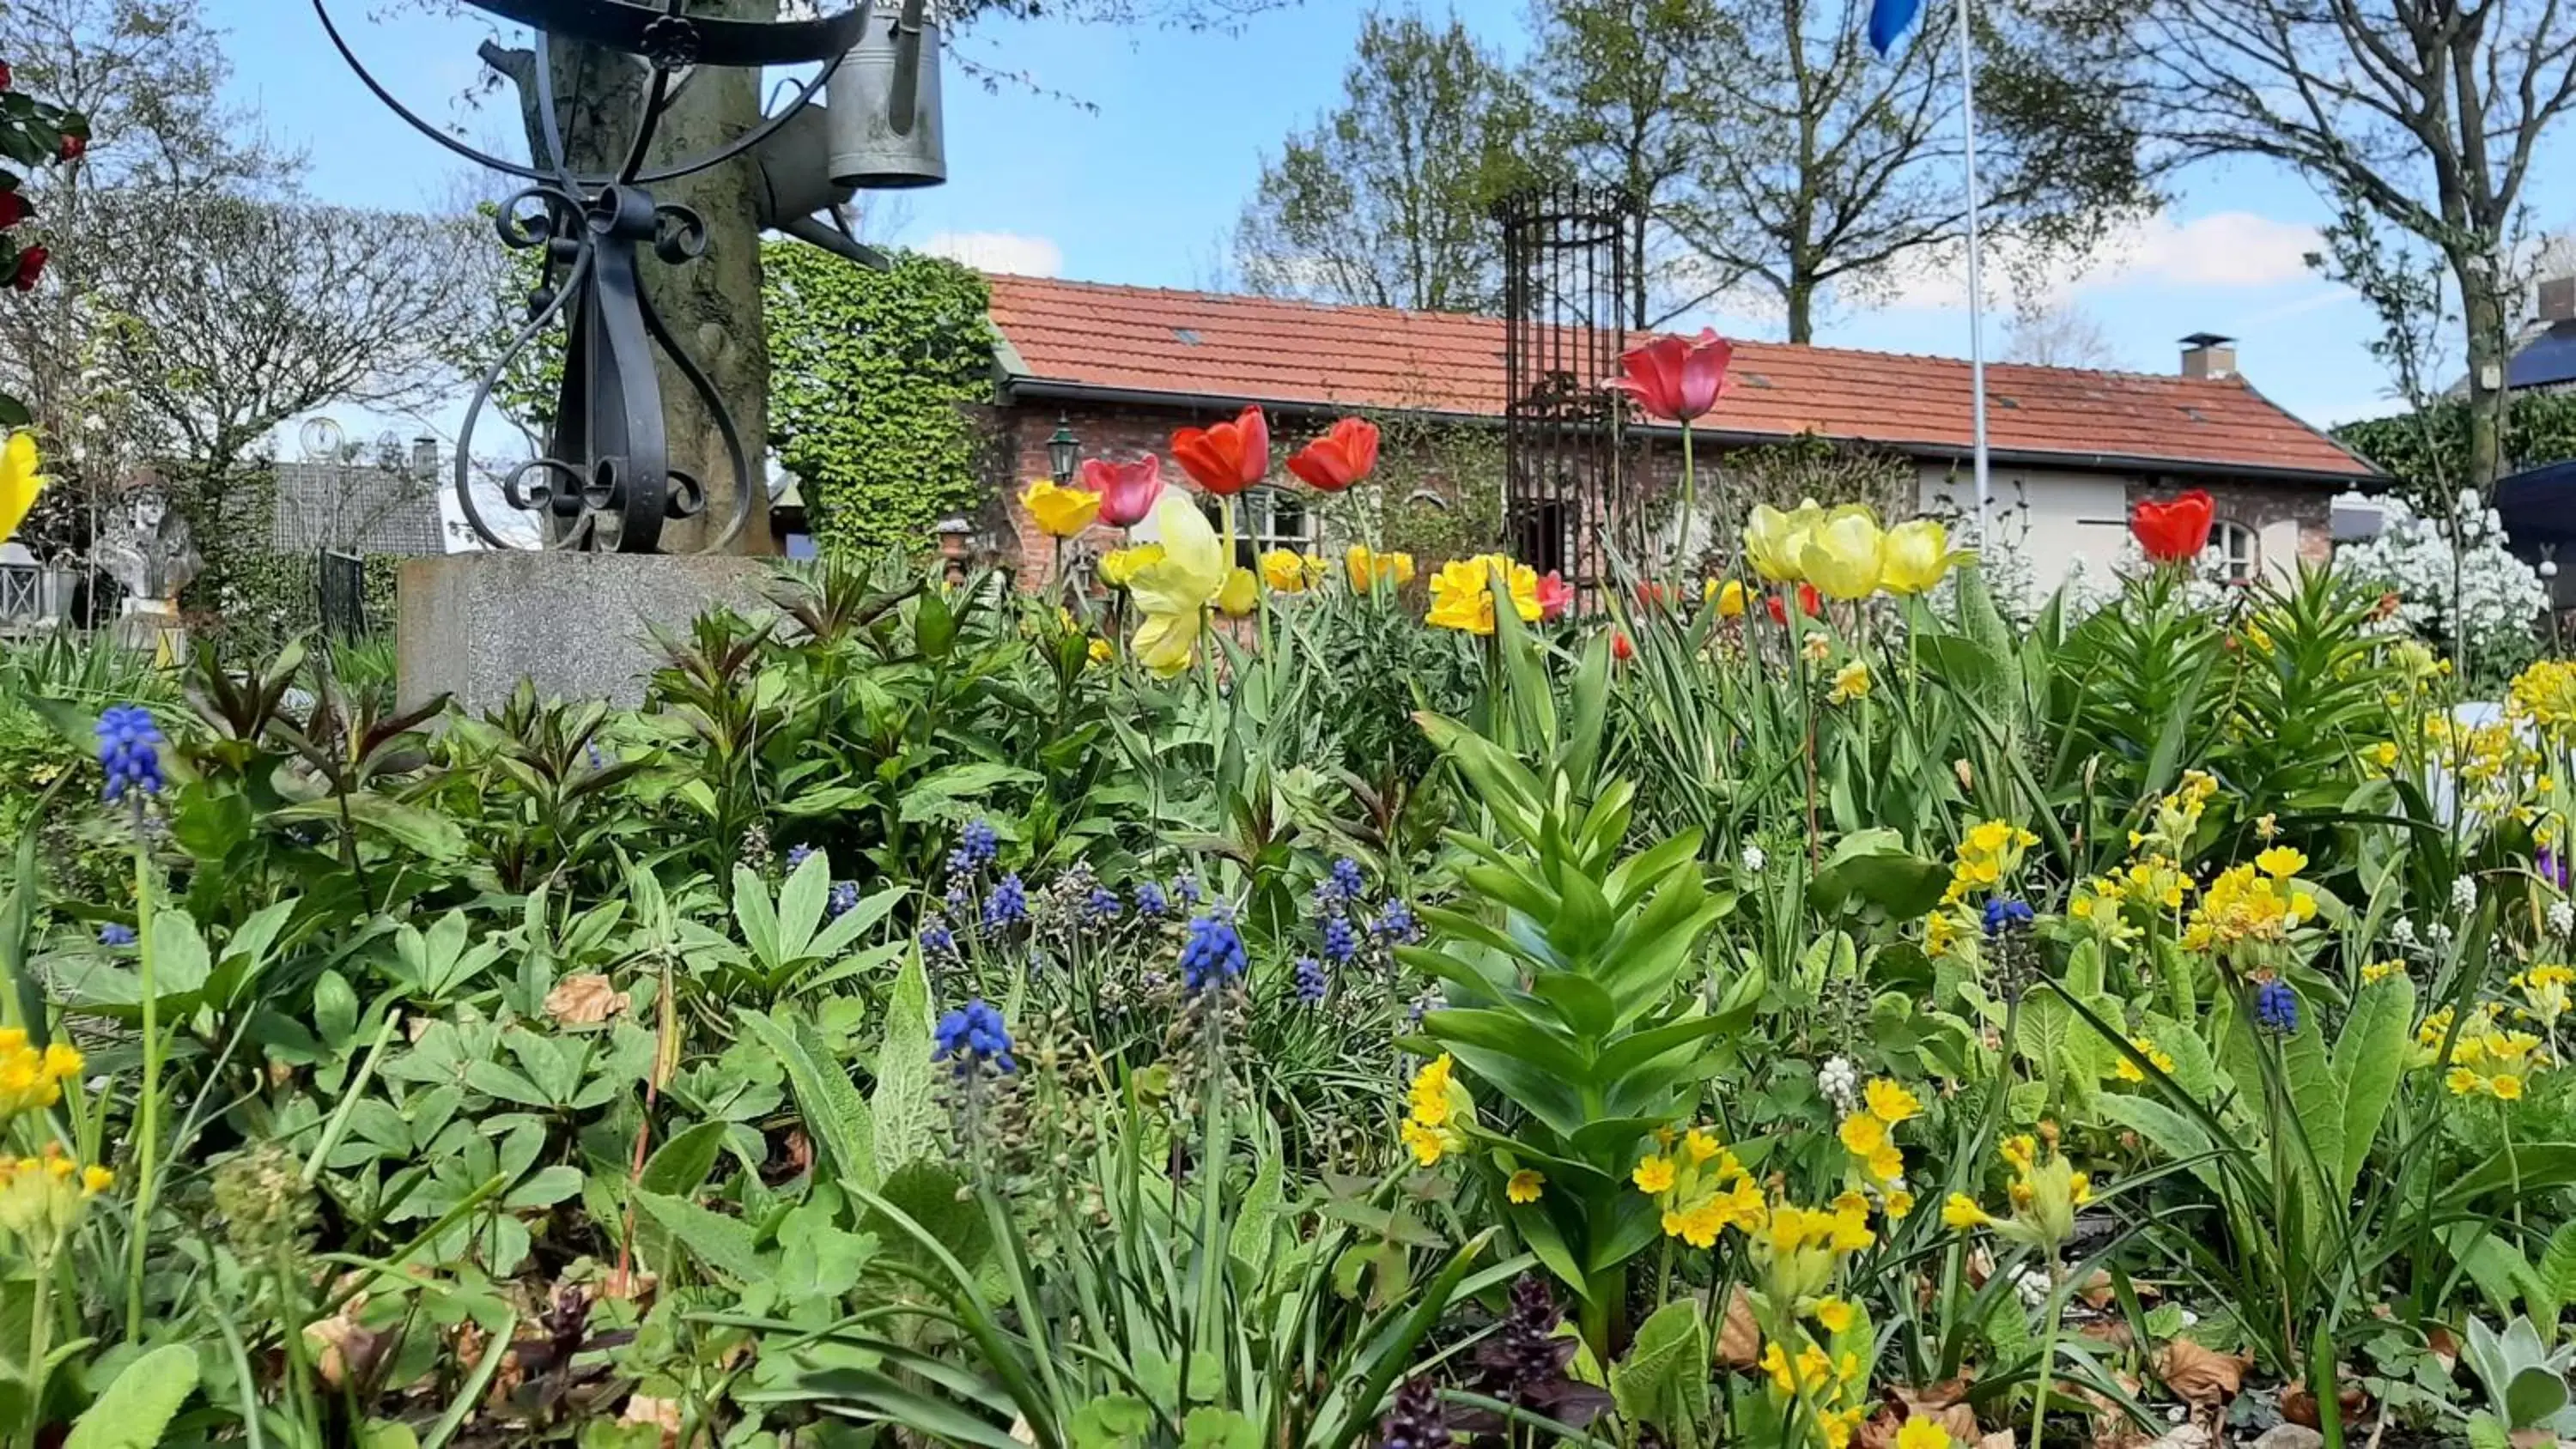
<point x="2427" y="453"/>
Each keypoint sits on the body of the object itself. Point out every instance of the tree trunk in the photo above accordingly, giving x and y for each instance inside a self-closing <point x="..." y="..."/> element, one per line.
<point x="1801" y="299"/>
<point x="712" y="305"/>
<point x="2482" y="312"/>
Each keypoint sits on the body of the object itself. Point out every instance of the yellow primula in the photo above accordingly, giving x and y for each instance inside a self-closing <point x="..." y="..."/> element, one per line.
<point x="1890" y="1101"/>
<point x="2045" y="1192"/>
<point x="1916" y="556"/>
<point x="1174" y="591"/>
<point x="1063" y="512"/>
<point x="32" y="1077"/>
<point x="2545" y="694"/>
<point x="2546" y="993"/>
<point x="1438" y="1109"/>
<point x="1991" y="850"/>
<point x="1525" y="1185"/>
<point x="1369" y="568"/>
<point x="1850" y="682"/>
<point x="2128" y="1071"/>
<point x="21" y="480"/>
<point x="1462" y="593"/>
<point x="2244" y="906"/>
<point x="1775" y="543"/>
<point x="1840" y="555"/>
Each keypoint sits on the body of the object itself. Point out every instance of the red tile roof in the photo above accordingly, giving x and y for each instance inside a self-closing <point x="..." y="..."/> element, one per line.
<point x="1090" y="337"/>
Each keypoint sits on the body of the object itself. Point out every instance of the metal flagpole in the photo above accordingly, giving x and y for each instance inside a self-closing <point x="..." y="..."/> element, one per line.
<point x="1976" y="278"/>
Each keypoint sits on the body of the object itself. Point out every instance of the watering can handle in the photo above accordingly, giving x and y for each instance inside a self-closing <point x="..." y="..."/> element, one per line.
<point x="903" y="105"/>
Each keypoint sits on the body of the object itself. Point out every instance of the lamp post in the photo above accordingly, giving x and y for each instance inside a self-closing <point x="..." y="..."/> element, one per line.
<point x="1064" y="452"/>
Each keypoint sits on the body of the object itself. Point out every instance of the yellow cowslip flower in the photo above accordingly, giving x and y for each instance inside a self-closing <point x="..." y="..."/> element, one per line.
<point x="1525" y="1185"/>
<point x="2545" y="694"/>
<point x="1889" y="1101"/>
<point x="2281" y="862"/>
<point x="1833" y="1315"/>
<point x="1120" y="564"/>
<point x="2378" y="971"/>
<point x="1962" y="1214"/>
<point x="1462" y="593"/>
<point x="1887" y="1164"/>
<point x="1437" y="1108"/>
<point x="1916" y="556"/>
<point x="2128" y="1070"/>
<point x="1850" y="682"/>
<point x="1653" y="1175"/>
<point x="2505" y="1088"/>
<point x="1897" y="1204"/>
<point x="1428" y="1144"/>
<point x="1775" y="543"/>
<point x="1101" y="651"/>
<point x="1369" y="568"/>
<point x="1173" y="592"/>
<point x="21" y="480"/>
<point x="1430" y="1092"/>
<point x="2383" y="754"/>
<point x="1241" y="594"/>
<point x="96" y="1180"/>
<point x="1731" y="598"/>
<point x="1840" y="555"/>
<point x="2019" y="1151"/>
<point x="1922" y="1432"/>
<point x="1284" y="571"/>
<point x="1940" y="933"/>
<point x="1700" y="1146"/>
<point x="1063" y="512"/>
<point x="1839" y="1425"/>
<point x="1862" y="1134"/>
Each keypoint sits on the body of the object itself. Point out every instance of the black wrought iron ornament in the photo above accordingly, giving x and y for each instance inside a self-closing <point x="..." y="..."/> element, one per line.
<point x="606" y="480"/>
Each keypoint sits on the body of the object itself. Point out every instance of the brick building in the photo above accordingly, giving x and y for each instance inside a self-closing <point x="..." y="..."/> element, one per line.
<point x="2069" y="449"/>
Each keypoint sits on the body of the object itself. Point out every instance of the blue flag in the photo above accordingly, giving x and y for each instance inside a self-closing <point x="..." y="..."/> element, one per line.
<point x="1887" y="21"/>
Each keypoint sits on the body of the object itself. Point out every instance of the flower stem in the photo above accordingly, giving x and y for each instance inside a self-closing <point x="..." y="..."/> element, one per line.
<point x="2047" y="1355"/>
<point x="148" y="1110"/>
<point x="40" y="1328"/>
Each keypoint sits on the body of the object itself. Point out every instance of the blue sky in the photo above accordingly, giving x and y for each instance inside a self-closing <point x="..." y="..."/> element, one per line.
<point x="1142" y="181"/>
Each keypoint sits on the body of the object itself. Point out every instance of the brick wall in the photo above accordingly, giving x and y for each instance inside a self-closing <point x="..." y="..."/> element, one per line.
<point x="2304" y="506"/>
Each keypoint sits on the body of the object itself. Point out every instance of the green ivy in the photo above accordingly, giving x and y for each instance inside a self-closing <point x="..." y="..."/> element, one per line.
<point x="2427" y="452"/>
<point x="869" y="373"/>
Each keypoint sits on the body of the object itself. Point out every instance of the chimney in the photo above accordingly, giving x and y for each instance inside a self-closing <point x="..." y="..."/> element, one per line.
<point x="2208" y="355"/>
<point x="424" y="455"/>
<point x="2558" y="299"/>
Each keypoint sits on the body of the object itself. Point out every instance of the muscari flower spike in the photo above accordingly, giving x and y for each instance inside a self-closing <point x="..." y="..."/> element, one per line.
<point x="843" y="896"/>
<point x="977" y="845"/>
<point x="797" y="856"/>
<point x="2276" y="1007"/>
<point x="972" y="1035"/>
<point x="1212" y="955"/>
<point x="1416" y="1420"/>
<point x="1102" y="905"/>
<point x="937" y="939"/>
<point x="1346" y="879"/>
<point x="116" y="933"/>
<point x="1151" y="903"/>
<point x="2004" y="915"/>
<point x="1185" y="889"/>
<point x="1008" y="903"/>
<point x="1341" y="943"/>
<point x="129" y="750"/>
<point x="1312" y="983"/>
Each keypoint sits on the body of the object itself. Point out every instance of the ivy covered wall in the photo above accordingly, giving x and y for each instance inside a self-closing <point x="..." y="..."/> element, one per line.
<point x="872" y="378"/>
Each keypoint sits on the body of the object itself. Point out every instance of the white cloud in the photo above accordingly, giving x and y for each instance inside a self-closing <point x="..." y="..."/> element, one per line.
<point x="2223" y="250"/>
<point x="999" y="251"/>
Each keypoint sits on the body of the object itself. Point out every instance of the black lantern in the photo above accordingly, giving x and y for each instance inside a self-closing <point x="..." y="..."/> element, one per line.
<point x="1064" y="451"/>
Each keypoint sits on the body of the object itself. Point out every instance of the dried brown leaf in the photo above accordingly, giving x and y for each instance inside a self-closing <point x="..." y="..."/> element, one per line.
<point x="584" y="999"/>
<point x="2200" y="1375"/>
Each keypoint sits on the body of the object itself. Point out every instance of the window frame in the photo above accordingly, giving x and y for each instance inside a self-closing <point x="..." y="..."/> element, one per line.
<point x="2224" y="533"/>
<point x="1256" y="518"/>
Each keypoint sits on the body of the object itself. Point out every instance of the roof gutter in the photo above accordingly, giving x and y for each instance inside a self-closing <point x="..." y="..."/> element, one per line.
<point x="1017" y="384"/>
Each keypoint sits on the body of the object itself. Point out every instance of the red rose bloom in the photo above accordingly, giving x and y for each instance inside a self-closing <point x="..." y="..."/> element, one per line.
<point x="31" y="265"/>
<point x="2174" y="531"/>
<point x="4" y="75"/>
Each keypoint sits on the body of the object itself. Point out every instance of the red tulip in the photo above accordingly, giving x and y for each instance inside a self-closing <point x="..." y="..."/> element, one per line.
<point x="1810" y="603"/>
<point x="4" y="75"/>
<point x="1651" y="595"/>
<point x="1555" y="596"/>
<point x="1676" y="378"/>
<point x="31" y="265"/>
<point x="1127" y="490"/>
<point x="2176" y="531"/>
<point x="73" y="144"/>
<point x="1620" y="647"/>
<point x="1227" y="458"/>
<point x="13" y="209"/>
<point x="1340" y="458"/>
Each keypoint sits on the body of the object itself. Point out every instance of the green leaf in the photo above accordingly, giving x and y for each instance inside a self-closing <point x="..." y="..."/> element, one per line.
<point x="2369" y="1060"/>
<point x="1210" y="1428"/>
<point x="903" y="1109"/>
<point x="1112" y="1421"/>
<point x="1664" y="1379"/>
<point x="722" y="1243"/>
<point x="835" y="1116"/>
<point x="138" y="1407"/>
<point x="680" y="1166"/>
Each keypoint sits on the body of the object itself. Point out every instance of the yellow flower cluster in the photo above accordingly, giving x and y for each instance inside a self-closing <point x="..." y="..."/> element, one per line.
<point x="2545" y="695"/>
<point x="2487" y="1059"/>
<point x="1850" y="682"/>
<point x="1438" y="1110"/>
<point x="2177" y="816"/>
<point x="1836" y="1388"/>
<point x="42" y="1197"/>
<point x="1869" y="1134"/>
<point x="1369" y="568"/>
<point x="1991" y="850"/>
<point x="2046" y="1190"/>
<point x="1701" y="1189"/>
<point x="2545" y="994"/>
<point x="1845" y="553"/>
<point x="29" y="1077"/>
<point x="2258" y="903"/>
<point x="2492" y="763"/>
<point x="2129" y="1071"/>
<point x="1462" y="593"/>
<point x="1289" y="572"/>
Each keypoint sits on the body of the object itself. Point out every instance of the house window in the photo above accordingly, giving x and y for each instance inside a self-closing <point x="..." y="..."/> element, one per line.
<point x="2239" y="549"/>
<point x="1264" y="519"/>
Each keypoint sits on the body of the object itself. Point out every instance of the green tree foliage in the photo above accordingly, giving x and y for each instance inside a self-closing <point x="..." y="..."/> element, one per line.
<point x="1386" y="201"/>
<point x="2427" y="452"/>
<point x="868" y="372"/>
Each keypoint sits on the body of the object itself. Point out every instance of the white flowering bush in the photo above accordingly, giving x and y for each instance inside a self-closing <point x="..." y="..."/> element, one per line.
<point x="2466" y="588"/>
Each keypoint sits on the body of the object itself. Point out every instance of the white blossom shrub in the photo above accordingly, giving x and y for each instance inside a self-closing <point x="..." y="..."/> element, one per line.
<point x="2469" y="589"/>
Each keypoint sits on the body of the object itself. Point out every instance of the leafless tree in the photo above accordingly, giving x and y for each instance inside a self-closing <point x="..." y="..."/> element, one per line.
<point x="2429" y="114"/>
<point x="2059" y="334"/>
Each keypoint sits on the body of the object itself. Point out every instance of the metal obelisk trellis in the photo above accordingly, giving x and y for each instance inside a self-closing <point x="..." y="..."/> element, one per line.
<point x="1565" y="288"/>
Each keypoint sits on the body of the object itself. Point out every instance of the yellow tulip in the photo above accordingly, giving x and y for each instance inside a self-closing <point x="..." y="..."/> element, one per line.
<point x="1173" y="591"/>
<point x="1283" y="571"/>
<point x="1241" y="594"/>
<point x="1120" y="564"/>
<point x="1062" y="512"/>
<point x="19" y="481"/>
<point x="1916" y="556"/>
<point x="1775" y="543"/>
<point x="1732" y="598"/>
<point x="1840" y="555"/>
<point x="1369" y="568"/>
<point x="1462" y="593"/>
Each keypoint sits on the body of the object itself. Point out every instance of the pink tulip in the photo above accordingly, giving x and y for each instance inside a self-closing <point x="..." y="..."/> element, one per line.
<point x="1675" y="379"/>
<point x="1127" y="490"/>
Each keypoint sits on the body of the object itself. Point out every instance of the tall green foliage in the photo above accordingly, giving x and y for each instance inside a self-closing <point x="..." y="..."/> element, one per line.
<point x="867" y="374"/>
<point x="2427" y="452"/>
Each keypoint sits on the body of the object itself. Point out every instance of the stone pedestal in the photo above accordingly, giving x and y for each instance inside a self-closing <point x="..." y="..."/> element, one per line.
<point x="474" y="624"/>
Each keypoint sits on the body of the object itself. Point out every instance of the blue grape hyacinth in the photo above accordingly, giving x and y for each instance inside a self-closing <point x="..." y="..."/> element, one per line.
<point x="1151" y="903"/>
<point x="843" y="896"/>
<point x="797" y="856"/>
<point x="1008" y="904"/>
<point x="1102" y="906"/>
<point x="1341" y="943"/>
<point x="1212" y="955"/>
<point x="1185" y="889"/>
<point x="2004" y="915"/>
<point x="973" y="1035"/>
<point x="977" y="846"/>
<point x="2276" y="1007"/>
<point x="1396" y="924"/>
<point x="116" y="933"/>
<point x="937" y="939"/>
<point x="1347" y="879"/>
<point x="129" y="748"/>
<point x="1312" y="983"/>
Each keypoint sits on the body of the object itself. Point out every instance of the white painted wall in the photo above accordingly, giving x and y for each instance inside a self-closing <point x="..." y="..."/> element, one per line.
<point x="2050" y="515"/>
